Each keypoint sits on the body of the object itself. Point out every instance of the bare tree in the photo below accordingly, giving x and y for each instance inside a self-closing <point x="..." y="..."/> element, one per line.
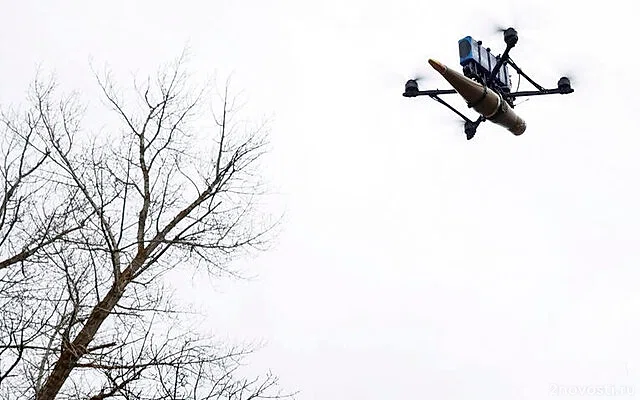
<point x="28" y="225"/>
<point x="89" y="226"/>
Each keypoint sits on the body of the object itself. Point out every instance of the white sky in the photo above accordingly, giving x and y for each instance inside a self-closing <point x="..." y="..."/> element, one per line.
<point x="413" y="264"/>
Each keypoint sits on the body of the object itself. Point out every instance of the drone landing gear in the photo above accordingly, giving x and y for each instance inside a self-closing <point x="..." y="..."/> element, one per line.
<point x="470" y="127"/>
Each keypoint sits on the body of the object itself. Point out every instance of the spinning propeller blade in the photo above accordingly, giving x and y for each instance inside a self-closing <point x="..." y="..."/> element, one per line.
<point x="394" y="78"/>
<point x="571" y="75"/>
<point x="501" y="28"/>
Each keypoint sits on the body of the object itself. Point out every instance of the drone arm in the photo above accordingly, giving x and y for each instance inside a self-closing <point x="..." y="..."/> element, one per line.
<point x="519" y="71"/>
<point x="470" y="127"/>
<point x="540" y="92"/>
<point x="503" y="58"/>
<point x="431" y="93"/>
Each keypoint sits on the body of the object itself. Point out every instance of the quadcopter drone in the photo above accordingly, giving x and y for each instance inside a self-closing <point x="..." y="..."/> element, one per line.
<point x="485" y="85"/>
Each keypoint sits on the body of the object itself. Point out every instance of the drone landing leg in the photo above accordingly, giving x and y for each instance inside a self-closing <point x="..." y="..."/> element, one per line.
<point x="444" y="103"/>
<point x="470" y="126"/>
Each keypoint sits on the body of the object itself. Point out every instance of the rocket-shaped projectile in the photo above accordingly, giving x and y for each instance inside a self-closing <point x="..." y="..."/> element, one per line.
<point x="482" y="99"/>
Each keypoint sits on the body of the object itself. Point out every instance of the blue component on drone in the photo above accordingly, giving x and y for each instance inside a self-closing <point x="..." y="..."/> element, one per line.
<point x="478" y="62"/>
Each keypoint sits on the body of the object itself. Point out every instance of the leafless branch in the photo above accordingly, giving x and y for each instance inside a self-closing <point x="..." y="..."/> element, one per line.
<point x="89" y="225"/>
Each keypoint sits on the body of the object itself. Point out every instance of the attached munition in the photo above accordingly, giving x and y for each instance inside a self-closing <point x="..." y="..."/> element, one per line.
<point x="482" y="99"/>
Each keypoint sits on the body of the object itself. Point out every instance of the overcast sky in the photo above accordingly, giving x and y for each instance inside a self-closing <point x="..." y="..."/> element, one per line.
<point x="413" y="263"/>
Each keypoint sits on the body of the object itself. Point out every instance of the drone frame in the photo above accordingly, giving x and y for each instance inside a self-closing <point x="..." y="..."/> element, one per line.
<point x="470" y="126"/>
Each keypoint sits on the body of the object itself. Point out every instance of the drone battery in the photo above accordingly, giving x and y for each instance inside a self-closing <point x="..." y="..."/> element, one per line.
<point x="478" y="62"/>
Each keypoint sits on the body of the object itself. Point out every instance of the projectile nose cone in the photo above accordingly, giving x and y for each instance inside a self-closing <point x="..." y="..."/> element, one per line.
<point x="441" y="68"/>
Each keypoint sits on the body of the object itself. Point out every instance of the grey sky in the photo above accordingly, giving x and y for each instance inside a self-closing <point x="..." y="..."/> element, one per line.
<point x="413" y="264"/>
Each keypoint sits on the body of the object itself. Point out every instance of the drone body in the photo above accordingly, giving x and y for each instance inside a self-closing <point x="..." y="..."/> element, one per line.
<point x="478" y="63"/>
<point x="485" y="85"/>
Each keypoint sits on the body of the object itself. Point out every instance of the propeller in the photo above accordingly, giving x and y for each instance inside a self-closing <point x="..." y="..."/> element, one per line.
<point x="571" y="74"/>
<point x="568" y="80"/>
<point x="395" y="79"/>
<point x="525" y="19"/>
<point x="417" y="74"/>
<point x="419" y="77"/>
<point x="519" y="16"/>
<point x="414" y="81"/>
<point x="575" y="74"/>
<point x="498" y="28"/>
